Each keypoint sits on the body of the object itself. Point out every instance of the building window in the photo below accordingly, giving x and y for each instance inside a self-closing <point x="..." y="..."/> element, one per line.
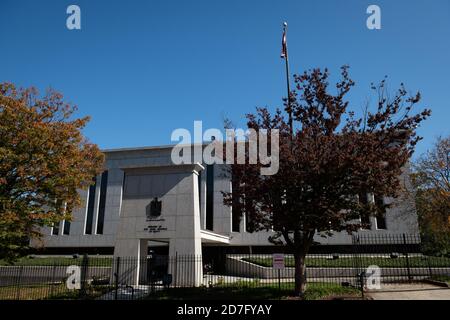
<point x="58" y="208"/>
<point x="235" y="212"/>
<point x="236" y="220"/>
<point x="55" y="229"/>
<point x="90" y="207"/>
<point x="209" y="197"/>
<point x="248" y="225"/>
<point x="102" y="202"/>
<point x="199" y="182"/>
<point x="66" y="228"/>
<point x="365" y="217"/>
<point x="381" y="212"/>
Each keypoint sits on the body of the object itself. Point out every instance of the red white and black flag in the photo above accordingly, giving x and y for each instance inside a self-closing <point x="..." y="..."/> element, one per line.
<point x="283" y="44"/>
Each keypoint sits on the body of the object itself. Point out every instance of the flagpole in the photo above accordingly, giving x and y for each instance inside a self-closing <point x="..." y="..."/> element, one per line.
<point x="289" y="109"/>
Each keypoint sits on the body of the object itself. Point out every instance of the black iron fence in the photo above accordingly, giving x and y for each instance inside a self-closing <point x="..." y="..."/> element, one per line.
<point x="378" y="259"/>
<point x="399" y="258"/>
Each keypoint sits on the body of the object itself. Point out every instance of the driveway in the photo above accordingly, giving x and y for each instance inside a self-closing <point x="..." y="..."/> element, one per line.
<point x="420" y="291"/>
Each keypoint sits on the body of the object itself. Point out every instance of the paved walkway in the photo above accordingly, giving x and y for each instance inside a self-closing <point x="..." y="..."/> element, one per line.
<point x="410" y="292"/>
<point x="128" y="293"/>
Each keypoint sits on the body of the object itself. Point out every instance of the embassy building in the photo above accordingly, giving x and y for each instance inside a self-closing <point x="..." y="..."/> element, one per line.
<point x="142" y="201"/>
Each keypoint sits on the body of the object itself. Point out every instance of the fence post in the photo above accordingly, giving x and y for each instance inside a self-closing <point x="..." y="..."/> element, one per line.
<point x="149" y="269"/>
<point x="361" y="281"/>
<point x="19" y="280"/>
<point x="52" y="284"/>
<point x="356" y="257"/>
<point x="429" y="268"/>
<point x="116" y="278"/>
<point x="407" y="258"/>
<point x="279" y="281"/>
<point x="84" y="267"/>
<point x="176" y="269"/>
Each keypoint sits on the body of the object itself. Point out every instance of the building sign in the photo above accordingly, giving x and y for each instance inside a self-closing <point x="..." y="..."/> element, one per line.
<point x="155" y="229"/>
<point x="278" y="261"/>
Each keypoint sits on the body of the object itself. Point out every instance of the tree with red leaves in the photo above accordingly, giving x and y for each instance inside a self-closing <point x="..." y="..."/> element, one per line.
<point x="330" y="157"/>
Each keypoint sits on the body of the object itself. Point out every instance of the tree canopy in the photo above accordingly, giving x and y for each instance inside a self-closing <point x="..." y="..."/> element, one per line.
<point x="431" y="178"/>
<point x="44" y="161"/>
<point x="326" y="160"/>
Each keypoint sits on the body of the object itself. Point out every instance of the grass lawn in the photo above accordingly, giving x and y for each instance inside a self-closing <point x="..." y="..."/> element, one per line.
<point x="49" y="292"/>
<point x="30" y="292"/>
<point x="238" y="291"/>
<point x="399" y="262"/>
<point x="441" y="278"/>
<point x="426" y="262"/>
<point x="58" y="261"/>
<point x="243" y="291"/>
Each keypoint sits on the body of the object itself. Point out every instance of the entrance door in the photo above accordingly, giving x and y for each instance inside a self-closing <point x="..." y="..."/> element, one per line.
<point x="157" y="267"/>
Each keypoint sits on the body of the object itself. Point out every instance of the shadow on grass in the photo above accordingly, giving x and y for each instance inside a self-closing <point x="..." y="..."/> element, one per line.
<point x="267" y="292"/>
<point x="51" y="292"/>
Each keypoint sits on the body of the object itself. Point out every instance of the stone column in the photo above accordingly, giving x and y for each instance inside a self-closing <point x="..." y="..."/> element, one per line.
<point x="185" y="248"/>
<point x="131" y="267"/>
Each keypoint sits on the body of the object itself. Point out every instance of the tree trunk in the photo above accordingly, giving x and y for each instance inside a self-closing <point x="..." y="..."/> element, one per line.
<point x="300" y="273"/>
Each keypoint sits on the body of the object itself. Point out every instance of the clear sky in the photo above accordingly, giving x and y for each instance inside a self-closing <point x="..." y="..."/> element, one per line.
<point x="144" y="68"/>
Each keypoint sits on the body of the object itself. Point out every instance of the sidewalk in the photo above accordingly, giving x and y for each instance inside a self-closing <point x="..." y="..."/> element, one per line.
<point x="410" y="292"/>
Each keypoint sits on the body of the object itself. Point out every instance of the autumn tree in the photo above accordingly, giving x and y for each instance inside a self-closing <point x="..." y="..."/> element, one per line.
<point x="431" y="178"/>
<point x="326" y="160"/>
<point x="44" y="160"/>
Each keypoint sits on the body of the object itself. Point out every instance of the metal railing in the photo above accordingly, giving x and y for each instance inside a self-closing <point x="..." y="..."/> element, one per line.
<point x="397" y="257"/>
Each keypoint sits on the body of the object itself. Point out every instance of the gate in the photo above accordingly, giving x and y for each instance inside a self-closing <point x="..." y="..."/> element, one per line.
<point x="157" y="269"/>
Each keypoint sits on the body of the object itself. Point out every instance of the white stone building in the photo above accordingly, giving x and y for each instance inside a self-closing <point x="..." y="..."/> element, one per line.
<point x="143" y="200"/>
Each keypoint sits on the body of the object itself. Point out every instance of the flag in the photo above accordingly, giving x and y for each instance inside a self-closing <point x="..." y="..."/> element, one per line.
<point x="284" y="45"/>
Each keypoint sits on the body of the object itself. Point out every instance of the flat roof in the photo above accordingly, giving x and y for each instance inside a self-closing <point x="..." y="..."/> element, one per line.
<point x="167" y="146"/>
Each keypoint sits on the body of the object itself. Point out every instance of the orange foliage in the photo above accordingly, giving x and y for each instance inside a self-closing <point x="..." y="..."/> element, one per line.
<point x="44" y="161"/>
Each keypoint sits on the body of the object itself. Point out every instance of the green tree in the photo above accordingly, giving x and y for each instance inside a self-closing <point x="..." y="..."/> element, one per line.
<point x="44" y="161"/>
<point x="431" y="178"/>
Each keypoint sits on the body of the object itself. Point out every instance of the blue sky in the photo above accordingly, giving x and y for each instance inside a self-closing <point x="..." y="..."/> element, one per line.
<point x="141" y="69"/>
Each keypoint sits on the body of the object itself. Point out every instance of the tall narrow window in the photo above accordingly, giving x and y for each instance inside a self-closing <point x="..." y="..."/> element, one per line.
<point x="199" y="182"/>
<point x="381" y="212"/>
<point x="248" y="223"/>
<point x="236" y="213"/>
<point x="365" y="218"/>
<point x="90" y="207"/>
<point x="248" y="226"/>
<point x="209" y="197"/>
<point x="102" y="202"/>
<point x="59" y="208"/>
<point x="66" y="228"/>
<point x="236" y="219"/>
<point x="55" y="229"/>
